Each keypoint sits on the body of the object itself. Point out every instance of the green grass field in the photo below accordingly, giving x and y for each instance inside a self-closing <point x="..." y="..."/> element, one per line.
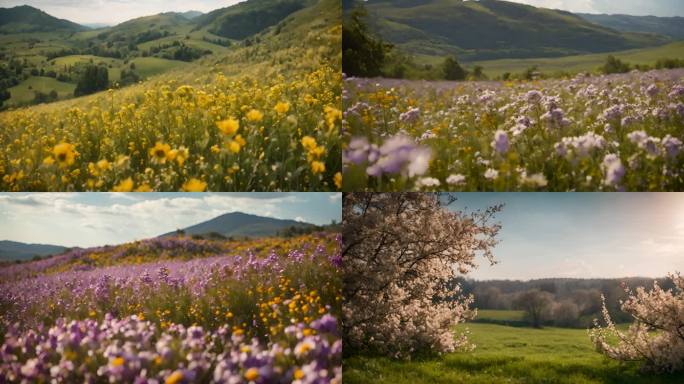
<point x="500" y="314"/>
<point x="511" y="355"/>
<point x="580" y="63"/>
<point x="22" y="93"/>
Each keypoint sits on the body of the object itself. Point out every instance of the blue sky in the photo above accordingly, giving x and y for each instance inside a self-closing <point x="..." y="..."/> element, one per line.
<point x="116" y="11"/>
<point x="91" y="219"/>
<point x="629" y="7"/>
<point x="584" y="234"/>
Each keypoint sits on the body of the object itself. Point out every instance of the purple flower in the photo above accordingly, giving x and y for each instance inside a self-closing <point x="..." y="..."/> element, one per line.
<point x="500" y="142"/>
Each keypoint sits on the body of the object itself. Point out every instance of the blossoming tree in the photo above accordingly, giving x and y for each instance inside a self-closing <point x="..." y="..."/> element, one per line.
<point x="400" y="251"/>
<point x="656" y="337"/>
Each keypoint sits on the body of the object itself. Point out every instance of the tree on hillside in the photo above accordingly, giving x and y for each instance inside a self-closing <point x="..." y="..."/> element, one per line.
<point x="362" y="53"/>
<point x="660" y="310"/>
<point x="614" y="65"/>
<point x="452" y="70"/>
<point x="401" y="251"/>
<point x="93" y="79"/>
<point x="536" y="305"/>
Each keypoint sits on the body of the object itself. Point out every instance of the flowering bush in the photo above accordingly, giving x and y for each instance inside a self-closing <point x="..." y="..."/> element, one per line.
<point x="617" y="132"/>
<point x="657" y="335"/>
<point x="400" y="251"/>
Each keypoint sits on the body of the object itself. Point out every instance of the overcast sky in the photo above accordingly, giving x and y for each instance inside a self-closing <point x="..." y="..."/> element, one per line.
<point x="116" y="11"/>
<point x="584" y="234"/>
<point x="628" y="7"/>
<point x="91" y="219"/>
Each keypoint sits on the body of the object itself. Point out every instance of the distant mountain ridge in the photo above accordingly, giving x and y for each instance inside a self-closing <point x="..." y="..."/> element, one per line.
<point x="14" y="250"/>
<point x="492" y="29"/>
<point x="25" y="18"/>
<point x="241" y="224"/>
<point x="667" y="26"/>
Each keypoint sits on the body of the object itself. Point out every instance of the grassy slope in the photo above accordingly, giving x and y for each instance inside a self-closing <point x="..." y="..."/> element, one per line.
<point x="507" y="355"/>
<point x="493" y="29"/>
<point x="580" y="63"/>
<point x="21" y="93"/>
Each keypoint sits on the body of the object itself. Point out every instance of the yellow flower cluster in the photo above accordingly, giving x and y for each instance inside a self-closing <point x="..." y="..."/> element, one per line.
<point x="230" y="133"/>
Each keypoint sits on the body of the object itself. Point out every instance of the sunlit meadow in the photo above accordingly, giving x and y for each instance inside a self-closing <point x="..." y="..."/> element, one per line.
<point x="172" y="310"/>
<point x="263" y="117"/>
<point x="600" y="133"/>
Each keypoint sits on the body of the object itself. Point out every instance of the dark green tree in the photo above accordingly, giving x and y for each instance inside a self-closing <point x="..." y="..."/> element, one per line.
<point x="452" y="70"/>
<point x="614" y="65"/>
<point x="362" y="53"/>
<point x="93" y="79"/>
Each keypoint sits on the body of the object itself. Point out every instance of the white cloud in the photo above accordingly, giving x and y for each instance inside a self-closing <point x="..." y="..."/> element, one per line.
<point x="335" y="197"/>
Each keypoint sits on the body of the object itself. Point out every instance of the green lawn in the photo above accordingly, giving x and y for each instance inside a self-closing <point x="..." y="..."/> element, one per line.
<point x="500" y="314"/>
<point x="581" y="63"/>
<point x="22" y="93"/>
<point x="507" y="355"/>
<point x="150" y="66"/>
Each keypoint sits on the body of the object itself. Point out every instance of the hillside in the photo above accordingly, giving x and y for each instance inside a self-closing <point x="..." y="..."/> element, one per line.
<point x="490" y="29"/>
<point x="276" y="98"/>
<point x="237" y="224"/>
<point x="248" y="18"/>
<point x="24" y="18"/>
<point x="13" y="250"/>
<point x="666" y="26"/>
<point x="579" y="63"/>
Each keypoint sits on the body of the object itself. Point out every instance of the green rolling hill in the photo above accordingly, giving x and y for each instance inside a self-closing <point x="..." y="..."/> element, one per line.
<point x="40" y="53"/>
<point x="493" y="29"/>
<point x="13" y="250"/>
<point x="666" y="26"/>
<point x="25" y="18"/>
<point x="241" y="224"/>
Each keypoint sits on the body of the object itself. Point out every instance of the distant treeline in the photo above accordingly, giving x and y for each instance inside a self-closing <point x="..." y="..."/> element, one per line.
<point x="560" y="302"/>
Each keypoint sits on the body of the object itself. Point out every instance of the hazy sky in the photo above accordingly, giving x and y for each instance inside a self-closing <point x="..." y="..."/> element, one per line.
<point x="116" y="11"/>
<point x="90" y="219"/>
<point x="584" y="234"/>
<point x="628" y="7"/>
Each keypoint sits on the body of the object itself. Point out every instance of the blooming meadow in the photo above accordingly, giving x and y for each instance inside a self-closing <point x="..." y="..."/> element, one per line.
<point x="204" y="312"/>
<point x="601" y="133"/>
<point x="263" y="117"/>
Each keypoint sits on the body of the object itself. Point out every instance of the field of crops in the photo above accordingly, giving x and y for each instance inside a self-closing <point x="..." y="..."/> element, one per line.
<point x="506" y="355"/>
<point x="606" y="133"/>
<point x="263" y="117"/>
<point x="202" y="311"/>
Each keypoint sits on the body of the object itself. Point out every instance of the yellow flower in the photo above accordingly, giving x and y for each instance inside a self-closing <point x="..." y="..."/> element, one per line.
<point x="48" y="160"/>
<point x="298" y="374"/>
<point x="124" y="186"/>
<point x="228" y="126"/>
<point x="331" y="115"/>
<point x="104" y="165"/>
<point x="64" y="153"/>
<point x="254" y="115"/>
<point x="119" y="361"/>
<point x="317" y="167"/>
<point x="282" y="107"/>
<point x="338" y="180"/>
<point x="194" y="185"/>
<point x="182" y="154"/>
<point x="240" y="140"/>
<point x="143" y="188"/>
<point x="308" y="142"/>
<point x="174" y="378"/>
<point x="215" y="149"/>
<point x="160" y="152"/>
<point x="234" y="146"/>
<point x="252" y="374"/>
